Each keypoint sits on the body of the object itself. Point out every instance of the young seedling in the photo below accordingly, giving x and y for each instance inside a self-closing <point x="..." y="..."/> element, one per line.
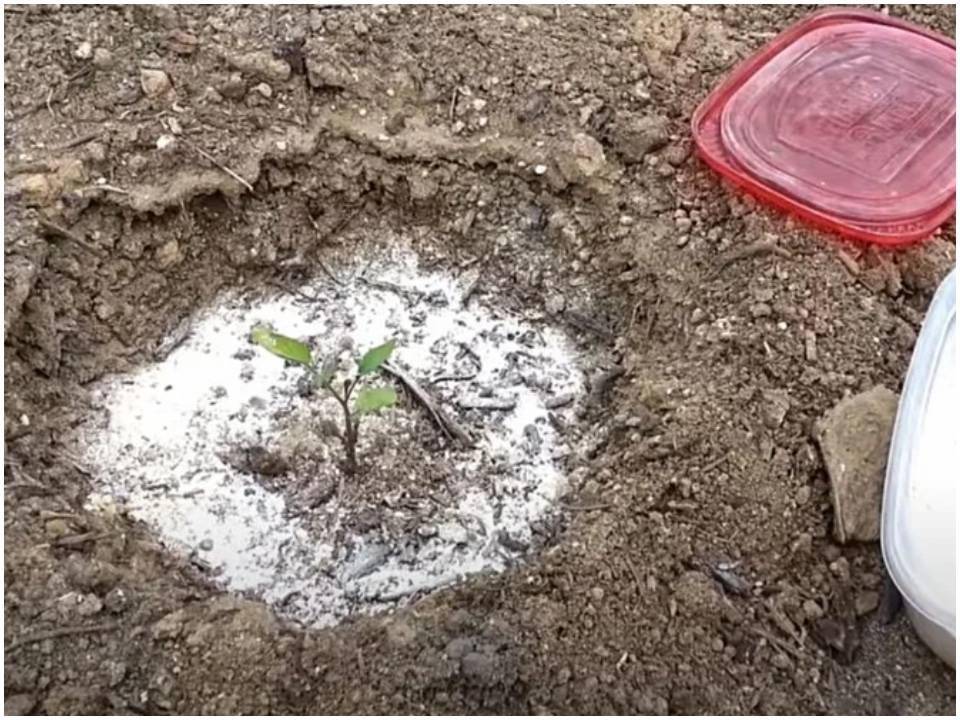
<point x="324" y="375"/>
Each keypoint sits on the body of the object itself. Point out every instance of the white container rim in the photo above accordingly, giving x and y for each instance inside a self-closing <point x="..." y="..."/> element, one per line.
<point x="927" y="355"/>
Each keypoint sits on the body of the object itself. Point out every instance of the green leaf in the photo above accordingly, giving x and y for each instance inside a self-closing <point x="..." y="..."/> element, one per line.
<point x="281" y="345"/>
<point x="370" y="400"/>
<point x="375" y="357"/>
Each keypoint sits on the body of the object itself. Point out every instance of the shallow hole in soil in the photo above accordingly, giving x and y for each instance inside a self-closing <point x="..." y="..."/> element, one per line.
<point x="223" y="449"/>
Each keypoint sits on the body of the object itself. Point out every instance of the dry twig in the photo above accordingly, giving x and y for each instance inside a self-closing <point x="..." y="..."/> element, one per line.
<point x="76" y="142"/>
<point x="757" y="249"/>
<point x="203" y="153"/>
<point x="449" y="428"/>
<point x="587" y="508"/>
<point x="61" y="632"/>
<point x="54" y="229"/>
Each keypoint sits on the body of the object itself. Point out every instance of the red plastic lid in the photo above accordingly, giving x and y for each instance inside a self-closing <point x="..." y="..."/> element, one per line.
<point x="847" y="119"/>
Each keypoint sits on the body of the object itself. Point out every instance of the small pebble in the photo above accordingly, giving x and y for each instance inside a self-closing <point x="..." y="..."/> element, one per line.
<point x="84" y="51"/>
<point x="866" y="602"/>
<point x="102" y="58"/>
<point x="206" y="545"/>
<point x="264" y="89"/>
<point x="555" y="304"/>
<point x="781" y="661"/>
<point x="812" y="610"/>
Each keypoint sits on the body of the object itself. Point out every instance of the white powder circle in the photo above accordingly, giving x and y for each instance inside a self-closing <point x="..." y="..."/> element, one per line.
<point x="160" y="449"/>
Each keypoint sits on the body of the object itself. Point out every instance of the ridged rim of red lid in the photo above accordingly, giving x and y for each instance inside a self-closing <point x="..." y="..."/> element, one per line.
<point x="707" y="135"/>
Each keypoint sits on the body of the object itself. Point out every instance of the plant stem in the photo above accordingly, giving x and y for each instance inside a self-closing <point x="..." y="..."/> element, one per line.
<point x="350" y="429"/>
<point x="350" y="426"/>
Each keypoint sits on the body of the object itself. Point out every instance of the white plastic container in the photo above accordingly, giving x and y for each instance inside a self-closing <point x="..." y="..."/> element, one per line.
<point x="919" y="532"/>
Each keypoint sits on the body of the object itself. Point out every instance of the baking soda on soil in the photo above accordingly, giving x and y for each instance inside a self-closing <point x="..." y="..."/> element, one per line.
<point x="169" y="427"/>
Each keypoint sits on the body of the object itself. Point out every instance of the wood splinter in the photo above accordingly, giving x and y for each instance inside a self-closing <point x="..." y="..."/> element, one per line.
<point x="449" y="428"/>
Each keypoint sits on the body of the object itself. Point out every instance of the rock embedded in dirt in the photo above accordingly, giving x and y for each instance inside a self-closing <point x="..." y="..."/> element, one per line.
<point x="169" y="626"/>
<point x="75" y="699"/>
<point x="658" y="31"/>
<point x="84" y="50"/>
<point x="156" y="84"/>
<point x="19" y="276"/>
<point x="776" y="403"/>
<point x="458" y="647"/>
<point x="422" y="188"/>
<point x="19" y="704"/>
<point x="261" y="64"/>
<point x="233" y="87"/>
<point x="866" y="602"/>
<point x="116" y="672"/>
<point x="831" y="633"/>
<point x="102" y="58"/>
<point x="182" y="42"/>
<point x="116" y="601"/>
<point x="327" y="74"/>
<point x="168" y="254"/>
<point x="57" y="528"/>
<point x="811" y="610"/>
<point x="854" y="438"/>
<point x="633" y="138"/>
<point x="264" y="90"/>
<point x="584" y="160"/>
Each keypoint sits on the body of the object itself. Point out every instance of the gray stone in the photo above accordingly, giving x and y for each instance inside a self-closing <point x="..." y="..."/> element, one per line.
<point x="555" y="304"/>
<point x="116" y="601"/>
<point x="854" y="438"/>
<point x="261" y="64"/>
<point x="169" y="626"/>
<point x="583" y="160"/>
<point x="155" y="83"/>
<point x="102" y="58"/>
<point x="89" y="605"/>
<point x="19" y="704"/>
<point x="458" y="647"/>
<point x="658" y="30"/>
<point x="233" y="87"/>
<point x="634" y="138"/>
<point x="328" y="74"/>
<point x="116" y="672"/>
<point x="866" y="602"/>
<point x="776" y="403"/>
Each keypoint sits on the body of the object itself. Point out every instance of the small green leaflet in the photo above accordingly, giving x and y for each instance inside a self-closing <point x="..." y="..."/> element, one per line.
<point x="375" y="357"/>
<point x="281" y="345"/>
<point x="372" y="399"/>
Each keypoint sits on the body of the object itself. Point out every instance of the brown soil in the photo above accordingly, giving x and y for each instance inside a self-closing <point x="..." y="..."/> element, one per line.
<point x="431" y="123"/>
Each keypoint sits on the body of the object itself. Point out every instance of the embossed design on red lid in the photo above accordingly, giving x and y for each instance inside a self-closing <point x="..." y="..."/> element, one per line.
<point x="847" y="119"/>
